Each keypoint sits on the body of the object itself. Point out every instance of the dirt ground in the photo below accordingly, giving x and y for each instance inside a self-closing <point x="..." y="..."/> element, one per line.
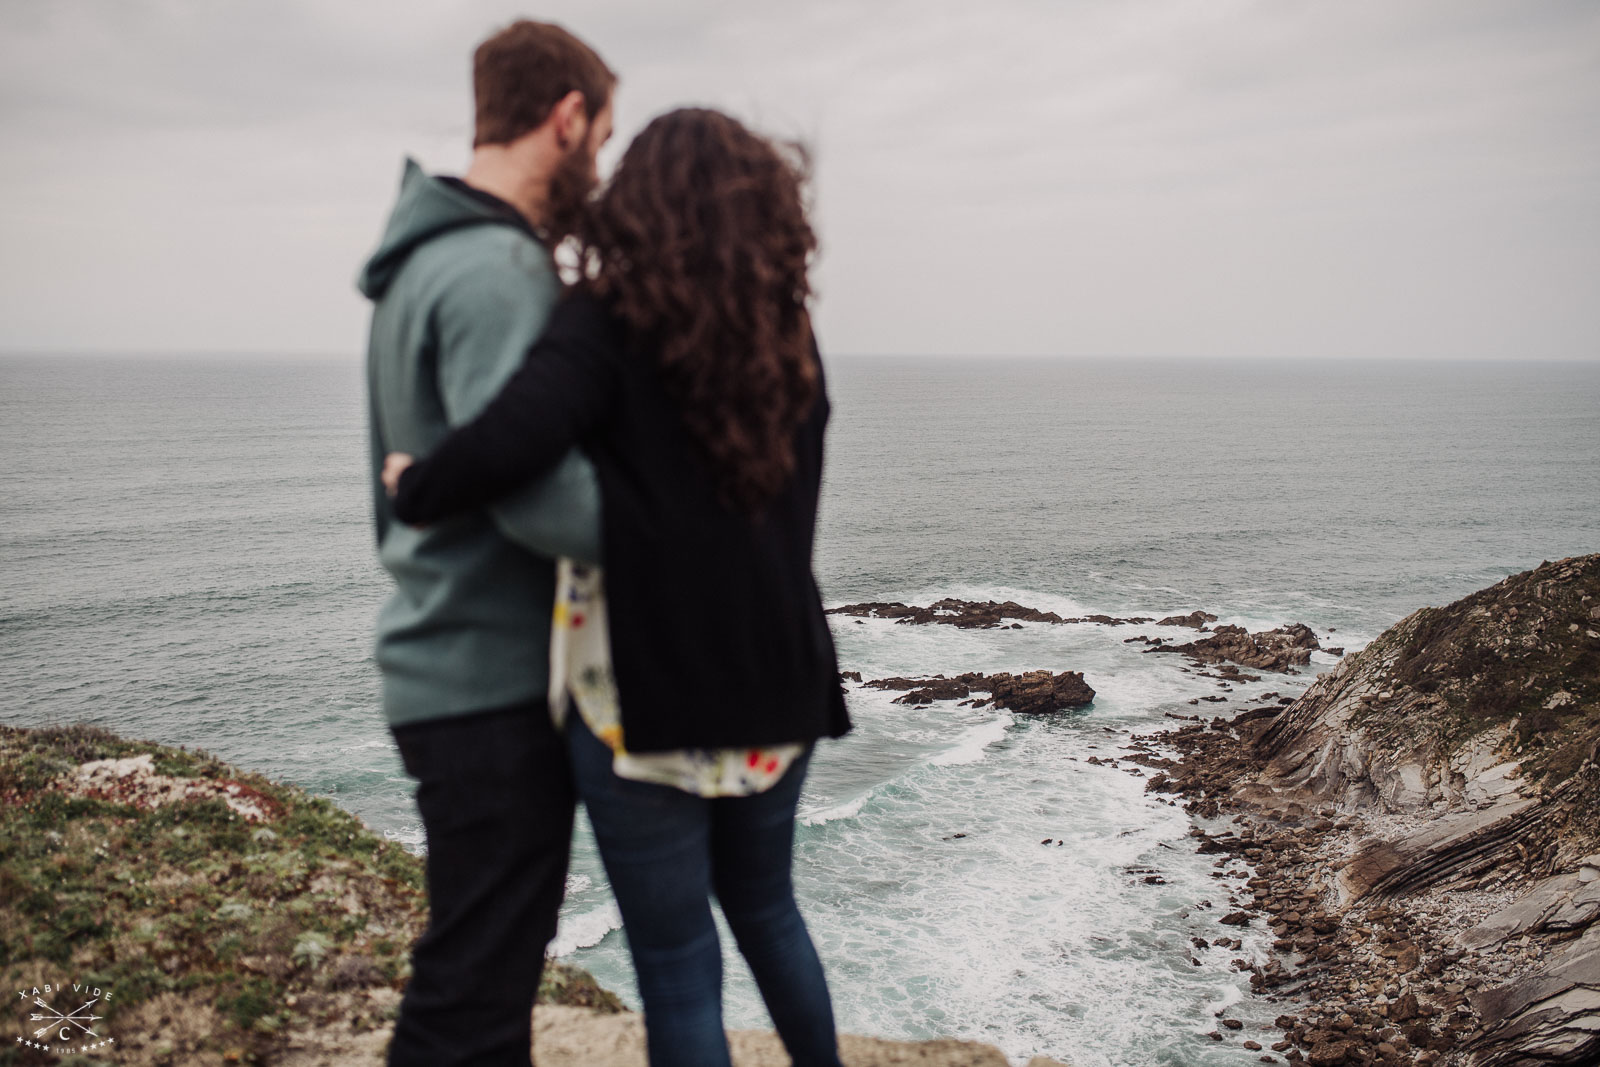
<point x="580" y="1037"/>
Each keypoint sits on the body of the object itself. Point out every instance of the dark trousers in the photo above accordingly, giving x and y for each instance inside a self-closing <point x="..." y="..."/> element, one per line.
<point x="496" y="798"/>
<point x="666" y="852"/>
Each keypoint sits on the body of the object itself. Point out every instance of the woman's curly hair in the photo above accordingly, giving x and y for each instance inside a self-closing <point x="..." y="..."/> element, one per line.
<point x="701" y="243"/>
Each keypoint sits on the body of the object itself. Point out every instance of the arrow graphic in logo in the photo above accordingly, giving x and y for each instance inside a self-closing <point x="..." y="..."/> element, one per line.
<point x="55" y="1018"/>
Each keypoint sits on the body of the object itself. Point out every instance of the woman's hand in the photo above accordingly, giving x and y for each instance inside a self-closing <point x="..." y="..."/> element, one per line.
<point x="394" y="465"/>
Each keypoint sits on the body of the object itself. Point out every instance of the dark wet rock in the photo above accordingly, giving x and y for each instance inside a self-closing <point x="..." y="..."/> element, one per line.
<point x="1330" y="1053"/>
<point x="941" y="689"/>
<point x="1195" y="620"/>
<point x="1230" y="673"/>
<point x="975" y="614"/>
<point x="1032" y="692"/>
<point x="1271" y="650"/>
<point x="967" y="614"/>
<point x="850" y="676"/>
<point x="1039" y="692"/>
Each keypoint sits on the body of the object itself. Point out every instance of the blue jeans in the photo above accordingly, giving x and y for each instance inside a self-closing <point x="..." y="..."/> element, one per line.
<point x="665" y="852"/>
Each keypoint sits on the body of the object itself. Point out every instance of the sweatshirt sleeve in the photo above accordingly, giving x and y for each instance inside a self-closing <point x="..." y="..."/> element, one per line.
<point x="563" y="389"/>
<point x="491" y="313"/>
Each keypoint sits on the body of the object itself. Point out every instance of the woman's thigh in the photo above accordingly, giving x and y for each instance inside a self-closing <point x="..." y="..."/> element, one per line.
<point x="752" y="845"/>
<point x="655" y="843"/>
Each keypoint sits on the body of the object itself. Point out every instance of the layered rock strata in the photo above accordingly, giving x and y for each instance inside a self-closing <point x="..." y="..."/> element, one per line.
<point x="1423" y="827"/>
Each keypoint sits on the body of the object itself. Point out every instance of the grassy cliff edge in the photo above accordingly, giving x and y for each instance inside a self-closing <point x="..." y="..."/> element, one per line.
<point x="231" y="918"/>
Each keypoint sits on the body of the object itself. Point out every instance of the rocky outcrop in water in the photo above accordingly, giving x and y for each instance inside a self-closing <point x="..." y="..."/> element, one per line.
<point x="990" y="614"/>
<point x="1195" y="620"/>
<point x="1271" y="650"/>
<point x="1039" y="692"/>
<point x="1424" y="824"/>
<point x="1031" y="693"/>
<point x="967" y="614"/>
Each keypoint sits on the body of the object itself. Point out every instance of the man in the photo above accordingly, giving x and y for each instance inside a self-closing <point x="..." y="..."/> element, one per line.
<point x="462" y="283"/>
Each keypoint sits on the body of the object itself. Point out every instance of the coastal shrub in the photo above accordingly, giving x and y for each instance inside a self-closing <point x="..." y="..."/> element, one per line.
<point x="258" y="997"/>
<point x="36" y="900"/>
<point x="394" y="861"/>
<point x="140" y="980"/>
<point x="190" y="900"/>
<point x="175" y="764"/>
<point x="228" y="948"/>
<point x="12" y="887"/>
<point x="1415" y="657"/>
<point x="1474" y="660"/>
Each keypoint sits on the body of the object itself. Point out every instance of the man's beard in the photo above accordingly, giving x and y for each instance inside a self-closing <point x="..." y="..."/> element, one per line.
<point x="570" y="185"/>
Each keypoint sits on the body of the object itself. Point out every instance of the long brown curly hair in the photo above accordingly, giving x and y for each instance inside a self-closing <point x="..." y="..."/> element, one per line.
<point x="700" y="241"/>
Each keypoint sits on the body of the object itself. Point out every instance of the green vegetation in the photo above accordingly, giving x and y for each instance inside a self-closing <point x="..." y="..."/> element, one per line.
<point x="191" y="909"/>
<point x="1518" y="653"/>
<point x="1523" y="655"/>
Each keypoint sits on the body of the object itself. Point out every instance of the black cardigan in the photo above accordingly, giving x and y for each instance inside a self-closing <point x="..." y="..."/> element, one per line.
<point x="718" y="637"/>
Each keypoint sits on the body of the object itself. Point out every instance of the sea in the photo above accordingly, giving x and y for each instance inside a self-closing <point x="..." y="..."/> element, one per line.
<point x="186" y="556"/>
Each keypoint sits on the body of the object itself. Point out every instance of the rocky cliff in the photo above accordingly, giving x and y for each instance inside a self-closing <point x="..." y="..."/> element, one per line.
<point x="1489" y="702"/>
<point x="1425" y="821"/>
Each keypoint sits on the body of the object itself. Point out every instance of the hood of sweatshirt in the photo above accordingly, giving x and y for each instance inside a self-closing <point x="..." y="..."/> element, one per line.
<point x="427" y="207"/>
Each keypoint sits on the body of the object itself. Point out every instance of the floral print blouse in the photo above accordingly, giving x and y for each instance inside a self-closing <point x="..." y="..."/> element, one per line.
<point x="580" y="664"/>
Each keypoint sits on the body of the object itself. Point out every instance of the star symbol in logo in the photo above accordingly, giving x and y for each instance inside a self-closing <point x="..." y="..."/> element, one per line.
<point x="53" y="1019"/>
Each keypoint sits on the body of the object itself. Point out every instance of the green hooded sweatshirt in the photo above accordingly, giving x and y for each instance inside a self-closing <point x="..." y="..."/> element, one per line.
<point x="461" y="288"/>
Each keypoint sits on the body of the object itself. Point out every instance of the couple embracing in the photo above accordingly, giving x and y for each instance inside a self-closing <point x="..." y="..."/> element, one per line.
<point x="598" y="506"/>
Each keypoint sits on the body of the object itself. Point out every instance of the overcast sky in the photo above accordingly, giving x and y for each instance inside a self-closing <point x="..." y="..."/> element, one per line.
<point x="1265" y="178"/>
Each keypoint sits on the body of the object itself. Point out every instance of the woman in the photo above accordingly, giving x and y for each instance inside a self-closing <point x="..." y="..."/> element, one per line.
<point x="683" y="363"/>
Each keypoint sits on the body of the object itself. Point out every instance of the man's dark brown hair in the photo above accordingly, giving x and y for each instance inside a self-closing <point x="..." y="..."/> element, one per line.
<point x="522" y="72"/>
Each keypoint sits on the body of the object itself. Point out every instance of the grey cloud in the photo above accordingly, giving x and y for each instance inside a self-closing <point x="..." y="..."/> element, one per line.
<point x="1209" y="177"/>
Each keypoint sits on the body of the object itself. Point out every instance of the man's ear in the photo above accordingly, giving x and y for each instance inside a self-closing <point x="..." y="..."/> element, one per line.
<point x="571" y="118"/>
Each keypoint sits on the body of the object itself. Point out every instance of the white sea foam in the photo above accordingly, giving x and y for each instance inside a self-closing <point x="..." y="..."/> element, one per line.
<point x="383" y="744"/>
<point x="411" y="836"/>
<point x="1227" y="996"/>
<point x="973" y="744"/>
<point x="585" y="929"/>
<point x="847" y="810"/>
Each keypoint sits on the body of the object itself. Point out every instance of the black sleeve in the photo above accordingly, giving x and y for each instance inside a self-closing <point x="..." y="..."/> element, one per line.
<point x="563" y="389"/>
